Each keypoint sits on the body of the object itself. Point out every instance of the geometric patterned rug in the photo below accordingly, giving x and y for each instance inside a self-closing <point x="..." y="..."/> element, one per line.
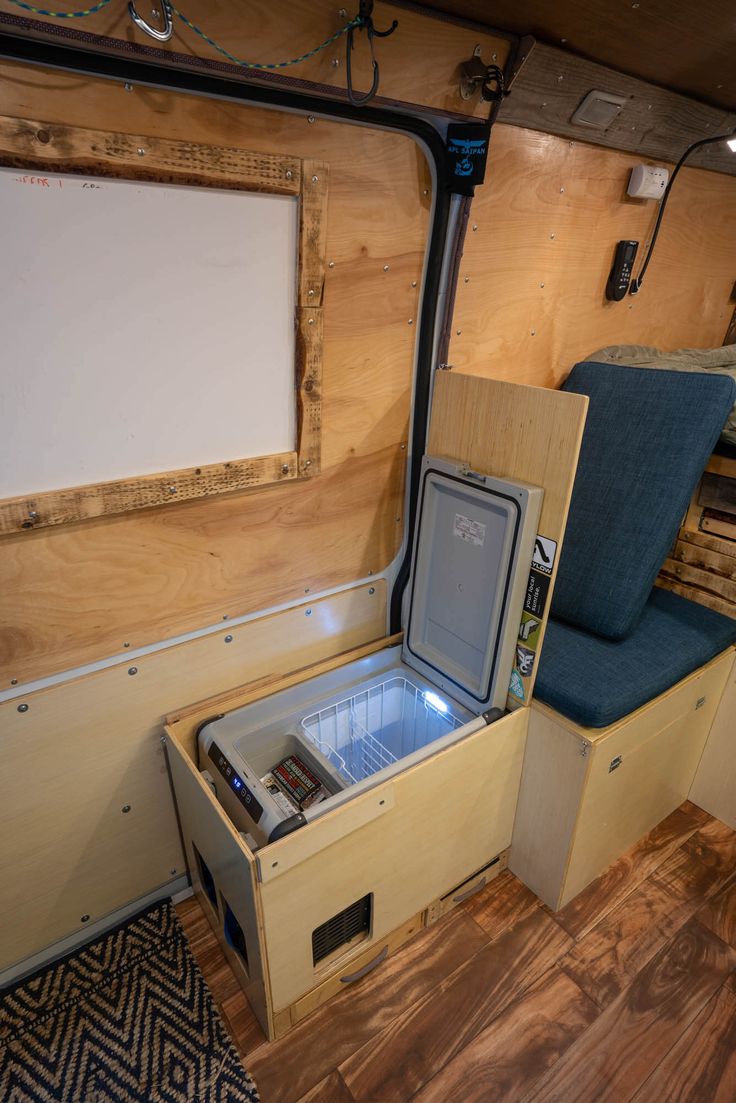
<point x="128" y="1018"/>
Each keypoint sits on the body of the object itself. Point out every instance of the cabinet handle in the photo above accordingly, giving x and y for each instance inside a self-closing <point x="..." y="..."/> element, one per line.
<point x="366" y="968"/>
<point x="469" y="892"/>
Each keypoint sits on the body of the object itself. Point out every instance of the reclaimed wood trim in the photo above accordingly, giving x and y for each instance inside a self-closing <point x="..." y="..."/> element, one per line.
<point x="44" y="147"/>
<point x="79" y="503"/>
<point x="700" y="539"/>
<point x="312" y="232"/>
<point x="26" y="143"/>
<point x="309" y="339"/>
<point x="655" y="122"/>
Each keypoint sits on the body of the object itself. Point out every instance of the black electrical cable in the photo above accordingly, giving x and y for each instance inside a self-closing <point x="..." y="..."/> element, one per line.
<point x="635" y="286"/>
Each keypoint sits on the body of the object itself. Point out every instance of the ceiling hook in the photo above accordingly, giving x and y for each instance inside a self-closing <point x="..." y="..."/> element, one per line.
<point x="160" y="36"/>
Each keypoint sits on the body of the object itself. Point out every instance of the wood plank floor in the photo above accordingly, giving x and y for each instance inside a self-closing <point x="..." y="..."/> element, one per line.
<point x="628" y="993"/>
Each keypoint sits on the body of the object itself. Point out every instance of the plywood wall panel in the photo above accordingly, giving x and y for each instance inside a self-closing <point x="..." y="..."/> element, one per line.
<point x="531" y="296"/>
<point x="85" y="749"/>
<point x="75" y="595"/>
<point x="418" y="62"/>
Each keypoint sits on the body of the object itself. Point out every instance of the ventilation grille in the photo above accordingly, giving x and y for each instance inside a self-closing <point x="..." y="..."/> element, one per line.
<point x="341" y="928"/>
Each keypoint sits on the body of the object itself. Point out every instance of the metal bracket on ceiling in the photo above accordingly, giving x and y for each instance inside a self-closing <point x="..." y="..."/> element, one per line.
<point x="476" y="76"/>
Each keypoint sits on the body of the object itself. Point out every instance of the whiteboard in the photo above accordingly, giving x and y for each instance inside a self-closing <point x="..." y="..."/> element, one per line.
<point x="145" y="328"/>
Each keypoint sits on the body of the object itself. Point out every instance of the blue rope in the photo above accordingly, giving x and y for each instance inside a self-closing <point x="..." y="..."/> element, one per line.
<point x="61" y="14"/>
<point x="357" y="22"/>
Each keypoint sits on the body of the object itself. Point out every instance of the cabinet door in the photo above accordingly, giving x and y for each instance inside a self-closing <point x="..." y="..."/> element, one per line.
<point x="636" y="779"/>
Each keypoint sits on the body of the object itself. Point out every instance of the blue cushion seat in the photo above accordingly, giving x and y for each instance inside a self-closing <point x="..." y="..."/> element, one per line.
<point x="648" y="436"/>
<point x="595" y="681"/>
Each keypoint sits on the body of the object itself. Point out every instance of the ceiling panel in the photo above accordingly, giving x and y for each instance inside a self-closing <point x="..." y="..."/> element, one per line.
<point x="690" y="48"/>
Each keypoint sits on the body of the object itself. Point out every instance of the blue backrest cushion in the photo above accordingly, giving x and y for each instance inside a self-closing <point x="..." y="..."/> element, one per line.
<point x="647" y="439"/>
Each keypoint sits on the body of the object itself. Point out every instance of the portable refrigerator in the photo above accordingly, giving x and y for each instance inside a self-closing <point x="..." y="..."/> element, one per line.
<point x="362" y="723"/>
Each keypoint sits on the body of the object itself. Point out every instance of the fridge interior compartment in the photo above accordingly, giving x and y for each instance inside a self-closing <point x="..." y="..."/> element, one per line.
<point x="378" y="725"/>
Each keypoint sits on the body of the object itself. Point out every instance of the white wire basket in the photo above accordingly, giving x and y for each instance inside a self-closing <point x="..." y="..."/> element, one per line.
<point x="376" y="727"/>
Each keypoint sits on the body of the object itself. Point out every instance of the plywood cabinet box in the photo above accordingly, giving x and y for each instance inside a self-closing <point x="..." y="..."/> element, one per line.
<point x="421" y="766"/>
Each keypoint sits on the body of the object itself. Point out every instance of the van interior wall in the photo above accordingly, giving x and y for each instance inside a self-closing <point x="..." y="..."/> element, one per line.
<point x="79" y="593"/>
<point x="83" y="751"/>
<point x="531" y="292"/>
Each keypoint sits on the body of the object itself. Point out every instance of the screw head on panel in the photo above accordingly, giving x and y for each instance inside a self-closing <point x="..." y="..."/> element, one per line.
<point x="14" y="681"/>
<point x="315" y="179"/>
<point x="141" y="151"/>
<point x="84" y="918"/>
<point x="289" y="174"/>
<point x="413" y="283"/>
<point x="307" y="612"/>
<point x="475" y="226"/>
<point x="372" y="590"/>
<point x="172" y="490"/>
<point x="32" y="515"/>
<point x="23" y="707"/>
<point x="336" y="62"/>
<point x="228" y="639"/>
<point x="385" y="268"/>
<point x="310" y="321"/>
<point x="410" y="322"/>
<point x="284" y="469"/>
<point x="132" y="670"/>
<point x="125" y="809"/>
<point x="331" y="264"/>
<point x="310" y="119"/>
<point x="127" y="87"/>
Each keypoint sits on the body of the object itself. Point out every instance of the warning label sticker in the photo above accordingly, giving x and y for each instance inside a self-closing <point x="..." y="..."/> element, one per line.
<point x="473" y="532"/>
<point x="543" y="556"/>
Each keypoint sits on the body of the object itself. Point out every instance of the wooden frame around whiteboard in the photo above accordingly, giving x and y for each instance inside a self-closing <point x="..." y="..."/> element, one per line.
<point x="41" y="147"/>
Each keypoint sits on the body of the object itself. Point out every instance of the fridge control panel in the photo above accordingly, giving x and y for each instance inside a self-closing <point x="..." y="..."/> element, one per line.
<point x="236" y="783"/>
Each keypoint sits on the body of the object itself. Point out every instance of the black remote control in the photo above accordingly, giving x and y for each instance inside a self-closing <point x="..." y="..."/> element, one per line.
<point x="621" y="272"/>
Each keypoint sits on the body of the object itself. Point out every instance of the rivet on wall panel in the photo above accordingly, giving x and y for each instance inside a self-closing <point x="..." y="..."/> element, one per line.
<point x="336" y="62"/>
<point x="475" y="226"/>
<point x="285" y="469"/>
<point x="125" y="809"/>
<point x="315" y="179"/>
<point x="310" y="119"/>
<point x="127" y="87"/>
<point x="410" y="322"/>
<point x="331" y="264"/>
<point x="141" y="152"/>
<point x="552" y="237"/>
<point x="172" y="490"/>
<point x="541" y="285"/>
<point x="562" y="191"/>
<point x="413" y="283"/>
<point x="23" y="707"/>
<point x="14" y="681"/>
<point x="307" y="612"/>
<point x="534" y="333"/>
<point x="385" y="268"/>
<point x="467" y="279"/>
<point x="458" y="332"/>
<point x="228" y="639"/>
<point x="84" y="918"/>
<point x="289" y="174"/>
<point x="132" y="670"/>
<point x="126" y="643"/>
<point x="372" y="590"/>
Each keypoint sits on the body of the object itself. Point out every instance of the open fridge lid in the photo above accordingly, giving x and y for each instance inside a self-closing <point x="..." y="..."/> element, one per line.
<point x="473" y="544"/>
